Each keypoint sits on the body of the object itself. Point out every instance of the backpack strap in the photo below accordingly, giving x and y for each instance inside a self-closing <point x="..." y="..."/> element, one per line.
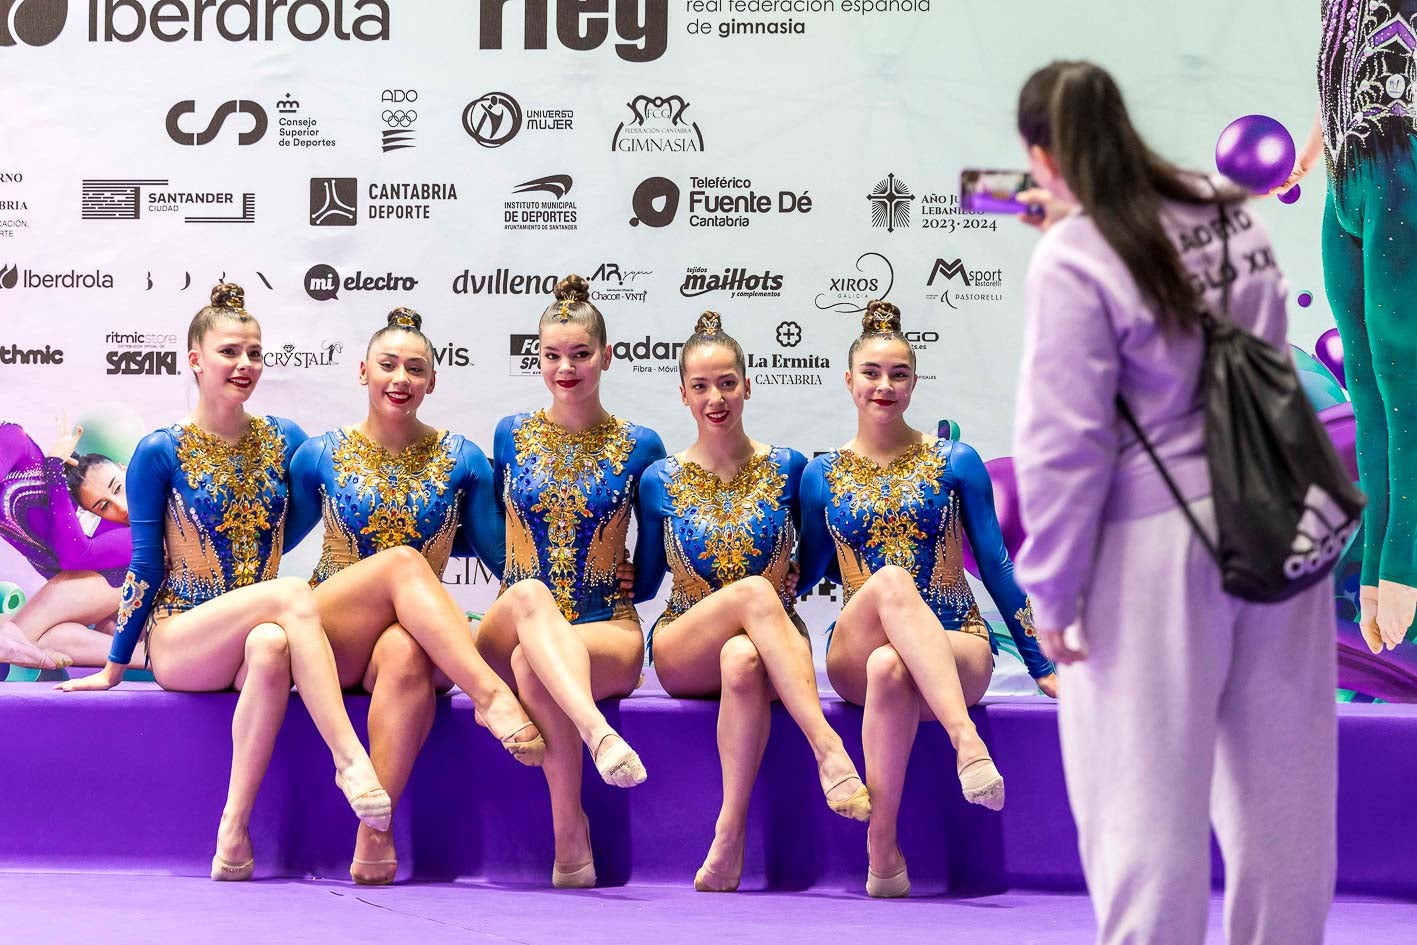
<point x="1131" y="419"/>
<point x="1209" y="322"/>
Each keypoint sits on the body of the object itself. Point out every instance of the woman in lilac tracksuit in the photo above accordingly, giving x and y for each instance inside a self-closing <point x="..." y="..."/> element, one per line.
<point x="1180" y="706"/>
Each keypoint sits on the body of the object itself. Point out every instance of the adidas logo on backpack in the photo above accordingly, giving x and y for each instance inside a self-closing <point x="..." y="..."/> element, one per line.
<point x="1321" y="535"/>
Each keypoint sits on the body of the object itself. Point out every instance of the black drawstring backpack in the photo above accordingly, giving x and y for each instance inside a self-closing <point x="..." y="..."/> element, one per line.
<point x="1284" y="506"/>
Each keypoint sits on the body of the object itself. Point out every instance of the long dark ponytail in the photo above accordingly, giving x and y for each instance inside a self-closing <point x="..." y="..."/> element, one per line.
<point x="1075" y="111"/>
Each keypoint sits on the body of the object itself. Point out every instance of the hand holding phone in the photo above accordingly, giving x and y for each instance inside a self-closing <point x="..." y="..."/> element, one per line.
<point x="995" y="191"/>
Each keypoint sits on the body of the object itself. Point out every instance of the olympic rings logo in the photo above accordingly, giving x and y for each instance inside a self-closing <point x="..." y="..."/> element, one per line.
<point x="399" y="118"/>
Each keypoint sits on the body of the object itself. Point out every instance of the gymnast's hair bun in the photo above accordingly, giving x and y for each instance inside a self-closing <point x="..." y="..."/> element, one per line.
<point x="572" y="288"/>
<point x="406" y="318"/>
<point x="880" y="318"/>
<point x="228" y="295"/>
<point x="709" y="324"/>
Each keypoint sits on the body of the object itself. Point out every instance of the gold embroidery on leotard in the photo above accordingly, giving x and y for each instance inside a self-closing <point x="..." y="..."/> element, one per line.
<point x="888" y="496"/>
<point x="728" y="510"/>
<point x="397" y="482"/>
<point x="239" y="477"/>
<point x="573" y="465"/>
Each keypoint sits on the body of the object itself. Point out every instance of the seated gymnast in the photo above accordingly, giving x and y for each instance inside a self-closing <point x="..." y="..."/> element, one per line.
<point x="722" y="518"/>
<point x="208" y="499"/>
<point x="884" y="516"/>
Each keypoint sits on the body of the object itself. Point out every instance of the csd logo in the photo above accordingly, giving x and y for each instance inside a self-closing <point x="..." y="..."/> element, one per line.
<point x="32" y="22"/>
<point x="224" y="111"/>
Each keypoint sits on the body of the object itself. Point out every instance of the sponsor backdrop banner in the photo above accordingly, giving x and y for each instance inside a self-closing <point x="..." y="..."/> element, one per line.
<point x="779" y="161"/>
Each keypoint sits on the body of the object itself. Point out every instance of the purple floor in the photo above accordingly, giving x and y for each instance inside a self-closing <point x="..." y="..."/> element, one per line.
<point x="64" y="908"/>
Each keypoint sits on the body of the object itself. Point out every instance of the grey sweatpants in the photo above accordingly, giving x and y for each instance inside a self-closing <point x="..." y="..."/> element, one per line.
<point x="1195" y="708"/>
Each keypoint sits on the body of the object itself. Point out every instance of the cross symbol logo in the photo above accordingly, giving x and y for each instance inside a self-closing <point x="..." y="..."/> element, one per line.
<point x="890" y="204"/>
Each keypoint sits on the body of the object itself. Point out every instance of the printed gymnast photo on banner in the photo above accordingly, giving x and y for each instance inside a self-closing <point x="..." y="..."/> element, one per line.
<point x="560" y="467"/>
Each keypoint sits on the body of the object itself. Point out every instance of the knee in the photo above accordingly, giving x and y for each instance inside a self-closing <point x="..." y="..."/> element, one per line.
<point x="892" y="586"/>
<point x="740" y="664"/>
<point x="886" y="671"/>
<point x="528" y="596"/>
<point x="295" y="599"/>
<point x="400" y="660"/>
<point x="268" y="648"/>
<point x="407" y="563"/>
<point x="756" y="596"/>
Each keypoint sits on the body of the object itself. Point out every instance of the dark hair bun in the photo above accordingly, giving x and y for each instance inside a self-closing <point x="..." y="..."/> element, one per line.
<point x="881" y="318"/>
<point x="228" y="295"/>
<point x="572" y="288"/>
<point x="709" y="324"/>
<point x="406" y="318"/>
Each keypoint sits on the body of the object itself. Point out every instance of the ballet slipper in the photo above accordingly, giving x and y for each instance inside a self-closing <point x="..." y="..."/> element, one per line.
<point x="892" y="886"/>
<point x="982" y="784"/>
<point x="618" y="765"/>
<point x="371" y="804"/>
<point x="708" y="879"/>
<point x="531" y="752"/>
<point x="17" y="650"/>
<point x="1368" y="618"/>
<point x="381" y="879"/>
<point x="576" y="876"/>
<point x="224" y="871"/>
<point x="1397" y="605"/>
<point x="857" y="805"/>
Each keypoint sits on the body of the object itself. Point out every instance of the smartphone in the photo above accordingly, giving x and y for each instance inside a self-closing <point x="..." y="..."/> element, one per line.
<point x="993" y="191"/>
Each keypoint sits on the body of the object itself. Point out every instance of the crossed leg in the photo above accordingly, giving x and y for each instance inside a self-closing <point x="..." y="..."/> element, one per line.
<point x="560" y="670"/>
<point x="890" y="654"/>
<point x="258" y="639"/>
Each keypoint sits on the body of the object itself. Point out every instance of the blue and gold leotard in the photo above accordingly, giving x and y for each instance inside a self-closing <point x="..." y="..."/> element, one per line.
<point x="568" y="498"/>
<point x="910" y="514"/>
<point x="207" y="517"/>
<point x="708" y="533"/>
<point x="372" y="499"/>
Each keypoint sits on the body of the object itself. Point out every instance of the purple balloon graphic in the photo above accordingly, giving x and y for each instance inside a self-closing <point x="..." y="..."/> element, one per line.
<point x="1001" y="474"/>
<point x="1305" y="299"/>
<point x="1291" y="195"/>
<point x="1256" y="152"/>
<point x="1329" y="350"/>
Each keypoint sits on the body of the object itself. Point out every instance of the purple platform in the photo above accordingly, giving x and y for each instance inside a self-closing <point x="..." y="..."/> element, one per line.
<point x="132" y="781"/>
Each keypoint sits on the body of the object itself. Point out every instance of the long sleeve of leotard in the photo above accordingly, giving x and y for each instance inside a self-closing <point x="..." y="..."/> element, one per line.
<point x="816" y="552"/>
<point x="304" y="509"/>
<point x="484" y="523"/>
<point x="105" y="550"/>
<point x="504" y="454"/>
<point x="150" y="475"/>
<point x="996" y="570"/>
<point x="649" y="450"/>
<point x="650" y="562"/>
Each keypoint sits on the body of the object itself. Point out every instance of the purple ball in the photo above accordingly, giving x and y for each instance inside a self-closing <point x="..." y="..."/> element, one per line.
<point x="1291" y="195"/>
<point x="1256" y="152"/>
<point x="1329" y="350"/>
<point x="1305" y="299"/>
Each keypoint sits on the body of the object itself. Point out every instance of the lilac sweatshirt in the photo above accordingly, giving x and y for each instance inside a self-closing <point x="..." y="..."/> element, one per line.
<point x="1088" y="336"/>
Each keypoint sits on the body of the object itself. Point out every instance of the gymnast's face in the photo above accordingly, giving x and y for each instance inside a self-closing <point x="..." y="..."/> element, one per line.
<point x="103" y="494"/>
<point x="714" y="389"/>
<point x="881" y="379"/>
<point x="398" y="370"/>
<point x="571" y="363"/>
<point x="227" y="360"/>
